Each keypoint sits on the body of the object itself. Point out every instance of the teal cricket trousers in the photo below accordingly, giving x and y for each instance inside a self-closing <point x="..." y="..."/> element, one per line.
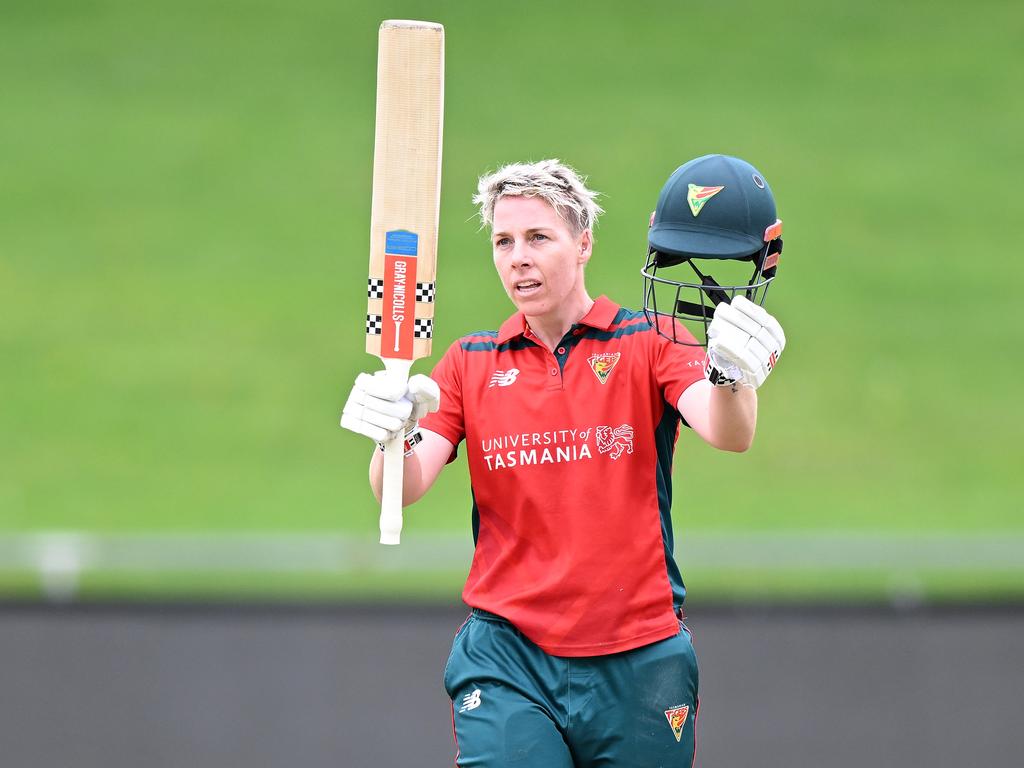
<point x="515" y="705"/>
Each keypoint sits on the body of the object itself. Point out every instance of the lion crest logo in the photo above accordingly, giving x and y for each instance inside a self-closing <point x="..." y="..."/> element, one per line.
<point x="615" y="440"/>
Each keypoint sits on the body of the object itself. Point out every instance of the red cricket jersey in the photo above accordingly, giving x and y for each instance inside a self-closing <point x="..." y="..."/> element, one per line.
<point x="570" y="456"/>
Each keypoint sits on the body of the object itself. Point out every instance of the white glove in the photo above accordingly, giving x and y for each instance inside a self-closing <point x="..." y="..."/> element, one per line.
<point x="381" y="406"/>
<point x="744" y="344"/>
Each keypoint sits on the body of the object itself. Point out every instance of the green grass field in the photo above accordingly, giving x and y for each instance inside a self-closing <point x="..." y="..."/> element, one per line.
<point x="184" y="215"/>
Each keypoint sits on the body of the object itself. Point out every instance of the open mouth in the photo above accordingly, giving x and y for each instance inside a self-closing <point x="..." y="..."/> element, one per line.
<point x="526" y="287"/>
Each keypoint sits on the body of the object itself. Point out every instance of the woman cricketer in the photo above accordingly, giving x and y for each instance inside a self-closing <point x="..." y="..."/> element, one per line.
<point x="576" y="653"/>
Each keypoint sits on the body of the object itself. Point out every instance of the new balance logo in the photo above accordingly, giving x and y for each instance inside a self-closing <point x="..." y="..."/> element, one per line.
<point x="470" y="701"/>
<point x="503" y="378"/>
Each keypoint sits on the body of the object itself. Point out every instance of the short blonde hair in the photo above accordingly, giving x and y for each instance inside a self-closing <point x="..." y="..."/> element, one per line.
<point x="551" y="180"/>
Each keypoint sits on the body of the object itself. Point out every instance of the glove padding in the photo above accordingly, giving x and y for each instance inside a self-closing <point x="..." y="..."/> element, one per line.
<point x="381" y="406"/>
<point x="744" y="344"/>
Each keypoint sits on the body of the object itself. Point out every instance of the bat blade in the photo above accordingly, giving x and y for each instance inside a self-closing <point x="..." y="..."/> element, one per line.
<point x="404" y="217"/>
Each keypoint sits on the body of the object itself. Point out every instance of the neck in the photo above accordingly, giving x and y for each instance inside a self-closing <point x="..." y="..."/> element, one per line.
<point x="550" y="328"/>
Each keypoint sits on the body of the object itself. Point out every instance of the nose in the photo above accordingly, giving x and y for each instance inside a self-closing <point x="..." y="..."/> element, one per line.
<point x="520" y="255"/>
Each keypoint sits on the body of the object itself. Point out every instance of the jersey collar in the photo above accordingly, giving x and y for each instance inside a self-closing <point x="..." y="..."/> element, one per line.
<point x="600" y="316"/>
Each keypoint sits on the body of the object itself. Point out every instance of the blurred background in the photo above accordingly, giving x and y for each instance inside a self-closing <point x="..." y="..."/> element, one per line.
<point x="184" y="221"/>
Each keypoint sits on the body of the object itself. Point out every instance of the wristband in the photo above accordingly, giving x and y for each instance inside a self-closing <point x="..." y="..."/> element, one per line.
<point x="715" y="375"/>
<point x="412" y="437"/>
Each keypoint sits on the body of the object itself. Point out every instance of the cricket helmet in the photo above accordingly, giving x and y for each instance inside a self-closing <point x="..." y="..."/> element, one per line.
<point x="715" y="212"/>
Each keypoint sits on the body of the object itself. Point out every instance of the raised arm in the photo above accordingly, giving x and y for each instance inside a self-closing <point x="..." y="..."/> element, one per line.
<point x="744" y="344"/>
<point x="423" y="464"/>
<point x="725" y="417"/>
<point x="380" y="407"/>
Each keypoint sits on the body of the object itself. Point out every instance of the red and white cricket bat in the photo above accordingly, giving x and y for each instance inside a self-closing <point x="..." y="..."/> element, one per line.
<point x="403" y="222"/>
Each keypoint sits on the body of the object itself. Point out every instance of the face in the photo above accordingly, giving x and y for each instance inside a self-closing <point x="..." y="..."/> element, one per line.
<point x="538" y="258"/>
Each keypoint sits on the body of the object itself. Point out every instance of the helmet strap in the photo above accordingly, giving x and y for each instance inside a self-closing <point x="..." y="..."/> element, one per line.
<point x="710" y="288"/>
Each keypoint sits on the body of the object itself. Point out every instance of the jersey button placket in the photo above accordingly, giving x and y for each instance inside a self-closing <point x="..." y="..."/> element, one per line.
<point x="559" y="359"/>
<point x="554" y="371"/>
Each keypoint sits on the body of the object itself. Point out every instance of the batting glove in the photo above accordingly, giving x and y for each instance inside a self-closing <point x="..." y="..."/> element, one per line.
<point x="381" y="406"/>
<point x="744" y="344"/>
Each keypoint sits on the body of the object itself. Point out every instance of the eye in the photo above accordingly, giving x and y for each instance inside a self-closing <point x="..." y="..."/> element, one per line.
<point x="501" y="242"/>
<point x="539" y="236"/>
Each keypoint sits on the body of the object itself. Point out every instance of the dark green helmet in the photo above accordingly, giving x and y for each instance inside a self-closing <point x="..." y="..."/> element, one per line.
<point x="713" y="208"/>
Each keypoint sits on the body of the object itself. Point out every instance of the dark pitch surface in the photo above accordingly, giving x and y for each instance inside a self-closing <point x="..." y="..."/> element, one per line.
<point x="351" y="686"/>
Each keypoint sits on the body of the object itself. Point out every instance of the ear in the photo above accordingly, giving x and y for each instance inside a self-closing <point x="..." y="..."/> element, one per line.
<point x="586" y="245"/>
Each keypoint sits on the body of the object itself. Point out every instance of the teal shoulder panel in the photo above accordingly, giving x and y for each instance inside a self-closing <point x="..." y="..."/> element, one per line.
<point x="629" y="327"/>
<point x="486" y="341"/>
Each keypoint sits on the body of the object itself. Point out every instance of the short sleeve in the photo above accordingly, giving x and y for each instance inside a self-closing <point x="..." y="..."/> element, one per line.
<point x="448" y="421"/>
<point x="677" y="365"/>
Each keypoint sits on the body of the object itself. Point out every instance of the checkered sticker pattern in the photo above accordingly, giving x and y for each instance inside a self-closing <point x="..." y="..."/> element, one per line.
<point x="375" y="288"/>
<point x="424" y="328"/>
<point x="374" y="325"/>
<point x="425" y="293"/>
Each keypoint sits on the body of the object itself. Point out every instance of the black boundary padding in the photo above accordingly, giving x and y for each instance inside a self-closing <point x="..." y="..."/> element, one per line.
<point x="894" y="606"/>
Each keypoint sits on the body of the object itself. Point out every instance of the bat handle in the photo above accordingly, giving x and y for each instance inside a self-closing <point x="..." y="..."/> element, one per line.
<point x="394" y="465"/>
